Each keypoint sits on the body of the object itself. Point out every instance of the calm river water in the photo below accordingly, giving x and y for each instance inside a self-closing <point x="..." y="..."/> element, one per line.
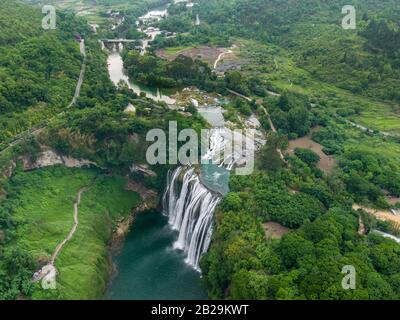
<point x="149" y="267"/>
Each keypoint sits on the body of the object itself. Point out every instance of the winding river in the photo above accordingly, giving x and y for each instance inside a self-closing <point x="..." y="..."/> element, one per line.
<point x="160" y="259"/>
<point x="162" y="251"/>
<point x="149" y="266"/>
<point x="117" y="74"/>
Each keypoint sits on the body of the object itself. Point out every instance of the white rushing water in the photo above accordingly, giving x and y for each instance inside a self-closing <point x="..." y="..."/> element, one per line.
<point x="190" y="209"/>
<point x="190" y="200"/>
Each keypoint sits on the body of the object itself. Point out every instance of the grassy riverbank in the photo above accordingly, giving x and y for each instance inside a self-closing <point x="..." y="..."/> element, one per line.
<point x="45" y="210"/>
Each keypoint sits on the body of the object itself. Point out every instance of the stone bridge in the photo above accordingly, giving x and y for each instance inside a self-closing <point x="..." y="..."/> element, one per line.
<point x="114" y="44"/>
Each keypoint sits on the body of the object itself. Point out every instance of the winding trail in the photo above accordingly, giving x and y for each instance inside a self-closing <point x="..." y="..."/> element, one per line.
<point x="74" y="227"/>
<point x="220" y="57"/>
<point x="19" y="137"/>
<point x="369" y="130"/>
<point x="77" y="93"/>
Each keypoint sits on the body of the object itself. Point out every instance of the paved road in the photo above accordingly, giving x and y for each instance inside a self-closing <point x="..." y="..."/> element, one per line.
<point x="81" y="75"/>
<point x="32" y="131"/>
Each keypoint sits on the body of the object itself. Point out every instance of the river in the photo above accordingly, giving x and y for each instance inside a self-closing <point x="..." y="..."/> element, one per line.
<point x="116" y="65"/>
<point x="117" y="73"/>
<point x="149" y="266"/>
<point x="161" y="255"/>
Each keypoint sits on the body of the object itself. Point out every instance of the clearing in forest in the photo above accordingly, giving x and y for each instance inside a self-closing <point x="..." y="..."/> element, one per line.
<point x="326" y="163"/>
<point x="203" y="53"/>
<point x="274" y="230"/>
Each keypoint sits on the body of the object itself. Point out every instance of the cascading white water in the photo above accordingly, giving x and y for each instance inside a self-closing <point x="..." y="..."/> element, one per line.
<point x="190" y="210"/>
<point x="190" y="205"/>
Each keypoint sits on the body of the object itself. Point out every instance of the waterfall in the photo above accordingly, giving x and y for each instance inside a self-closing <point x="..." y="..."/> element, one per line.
<point x="190" y="200"/>
<point x="190" y="209"/>
<point x="189" y="204"/>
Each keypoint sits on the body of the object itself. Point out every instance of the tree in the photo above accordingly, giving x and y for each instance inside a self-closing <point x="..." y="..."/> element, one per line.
<point x="308" y="156"/>
<point x="292" y="248"/>
<point x="299" y="121"/>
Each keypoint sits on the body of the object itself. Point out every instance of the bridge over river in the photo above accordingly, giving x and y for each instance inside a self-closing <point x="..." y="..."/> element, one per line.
<point x="115" y="44"/>
<point x="117" y="40"/>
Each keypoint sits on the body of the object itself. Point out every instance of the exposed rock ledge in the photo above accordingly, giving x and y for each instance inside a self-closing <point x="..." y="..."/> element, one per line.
<point x="149" y="201"/>
<point x="143" y="169"/>
<point x="50" y="158"/>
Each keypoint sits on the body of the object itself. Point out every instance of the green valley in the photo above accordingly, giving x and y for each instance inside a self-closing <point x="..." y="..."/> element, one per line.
<point x="99" y="196"/>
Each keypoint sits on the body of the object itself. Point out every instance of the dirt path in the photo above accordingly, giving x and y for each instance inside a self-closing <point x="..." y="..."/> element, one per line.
<point x="74" y="227"/>
<point x="271" y="124"/>
<point x="326" y="163"/>
<point x="380" y="214"/>
<point x="77" y="93"/>
<point x="220" y="57"/>
<point x="369" y="130"/>
<point x="238" y="94"/>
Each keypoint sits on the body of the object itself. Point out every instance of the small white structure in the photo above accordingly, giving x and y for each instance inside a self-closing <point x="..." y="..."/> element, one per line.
<point x="94" y="27"/>
<point x="130" y="108"/>
<point x="49" y="280"/>
<point x="155" y="15"/>
<point x="48" y="275"/>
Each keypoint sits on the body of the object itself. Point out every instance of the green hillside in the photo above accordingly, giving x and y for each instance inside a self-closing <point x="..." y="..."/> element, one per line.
<point x="39" y="68"/>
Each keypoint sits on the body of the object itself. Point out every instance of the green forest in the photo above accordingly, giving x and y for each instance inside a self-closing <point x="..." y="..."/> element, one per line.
<point x="38" y="69"/>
